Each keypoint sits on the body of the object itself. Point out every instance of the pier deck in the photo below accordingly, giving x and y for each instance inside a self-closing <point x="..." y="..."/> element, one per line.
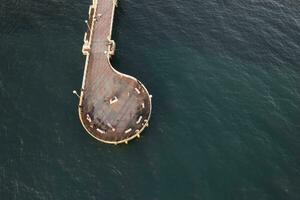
<point x="114" y="107"/>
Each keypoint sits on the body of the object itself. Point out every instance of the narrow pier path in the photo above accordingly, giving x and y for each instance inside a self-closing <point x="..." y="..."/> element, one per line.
<point x="114" y="107"/>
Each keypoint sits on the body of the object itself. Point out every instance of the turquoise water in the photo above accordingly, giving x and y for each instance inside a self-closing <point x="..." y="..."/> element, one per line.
<point x="224" y="76"/>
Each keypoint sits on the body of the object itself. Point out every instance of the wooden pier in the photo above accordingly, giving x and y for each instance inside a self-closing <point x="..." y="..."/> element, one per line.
<point x="114" y="107"/>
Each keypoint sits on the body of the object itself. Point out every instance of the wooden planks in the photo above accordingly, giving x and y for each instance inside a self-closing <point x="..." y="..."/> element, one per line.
<point x="114" y="107"/>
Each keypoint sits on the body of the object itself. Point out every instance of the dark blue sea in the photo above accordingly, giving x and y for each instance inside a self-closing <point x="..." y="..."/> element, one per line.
<point x="225" y="80"/>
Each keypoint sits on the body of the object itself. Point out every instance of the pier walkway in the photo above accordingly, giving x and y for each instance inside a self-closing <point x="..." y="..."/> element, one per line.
<point x="114" y="107"/>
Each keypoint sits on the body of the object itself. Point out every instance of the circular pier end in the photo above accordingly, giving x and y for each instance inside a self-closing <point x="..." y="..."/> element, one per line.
<point x="118" y="115"/>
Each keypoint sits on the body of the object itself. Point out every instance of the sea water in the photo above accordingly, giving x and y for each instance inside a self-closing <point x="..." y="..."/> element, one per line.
<point x="224" y="76"/>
